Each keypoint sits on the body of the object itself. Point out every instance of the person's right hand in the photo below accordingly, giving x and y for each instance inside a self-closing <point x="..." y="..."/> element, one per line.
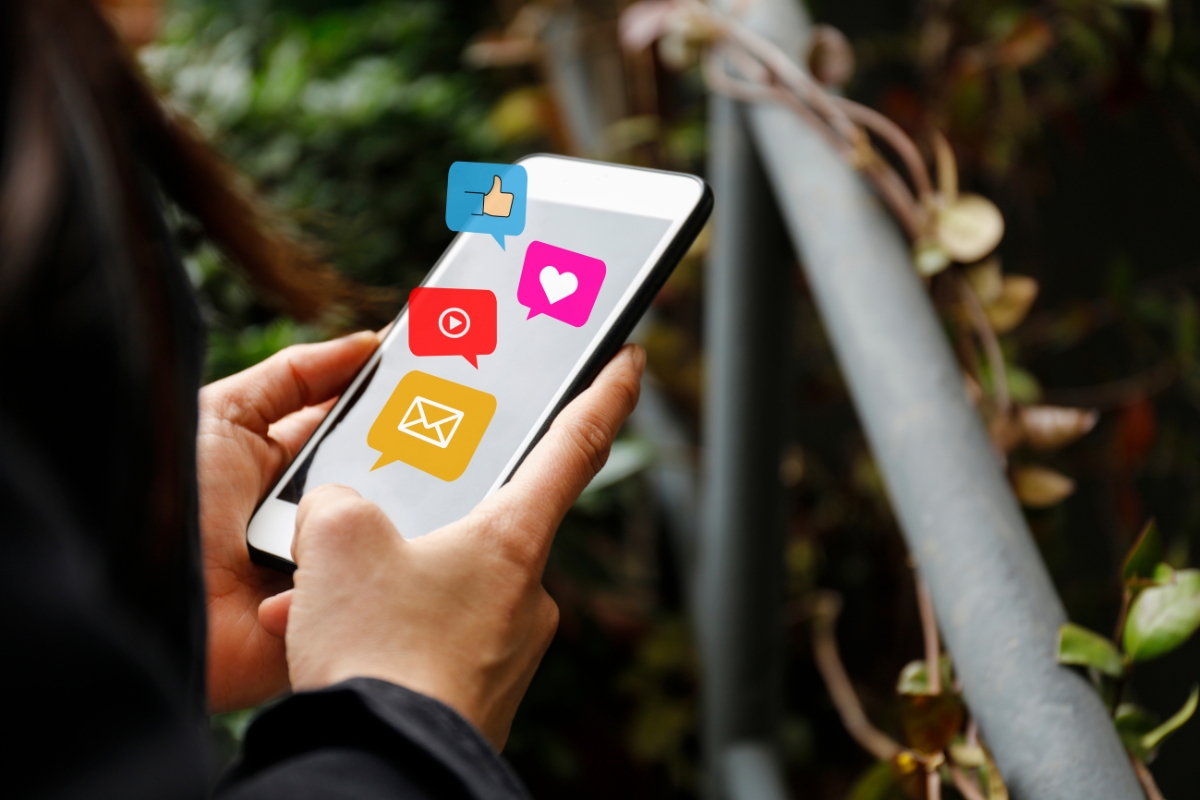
<point x="459" y="614"/>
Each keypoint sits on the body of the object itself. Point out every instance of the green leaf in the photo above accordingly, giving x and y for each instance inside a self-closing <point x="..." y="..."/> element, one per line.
<point x="1133" y="723"/>
<point x="1156" y="737"/>
<point x="1146" y="552"/>
<point x="1142" y="733"/>
<point x="877" y="783"/>
<point x="1163" y="617"/>
<point x="1163" y="574"/>
<point x="1082" y="648"/>
<point x="914" y="678"/>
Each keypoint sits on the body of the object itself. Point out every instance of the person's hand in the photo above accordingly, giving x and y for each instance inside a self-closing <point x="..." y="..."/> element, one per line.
<point x="459" y="614"/>
<point x="251" y="426"/>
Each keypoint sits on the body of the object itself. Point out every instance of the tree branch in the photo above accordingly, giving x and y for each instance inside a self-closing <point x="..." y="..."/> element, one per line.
<point x="965" y="785"/>
<point x="991" y="345"/>
<point x="933" y="645"/>
<point x="1147" y="780"/>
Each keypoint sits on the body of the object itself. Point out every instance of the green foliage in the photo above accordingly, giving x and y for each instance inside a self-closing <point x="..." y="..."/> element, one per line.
<point x="914" y="678"/>
<point x="877" y="783"/>
<point x="232" y="351"/>
<point x="346" y="117"/>
<point x="1080" y="647"/>
<point x="1141" y="731"/>
<point x="1163" y="617"/>
<point x="664" y="718"/>
<point x="1163" y="611"/>
<point x="1154" y="738"/>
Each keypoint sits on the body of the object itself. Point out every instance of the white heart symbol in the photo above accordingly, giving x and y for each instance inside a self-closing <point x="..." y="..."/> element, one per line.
<point x="557" y="285"/>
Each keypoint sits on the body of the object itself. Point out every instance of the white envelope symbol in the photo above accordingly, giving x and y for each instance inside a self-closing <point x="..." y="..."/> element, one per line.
<point x="431" y="422"/>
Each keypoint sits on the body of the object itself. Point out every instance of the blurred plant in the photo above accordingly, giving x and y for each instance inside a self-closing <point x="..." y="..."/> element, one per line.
<point x="943" y="743"/>
<point x="947" y="228"/>
<point x="346" y="120"/>
<point x="1160" y="610"/>
<point x="994" y="72"/>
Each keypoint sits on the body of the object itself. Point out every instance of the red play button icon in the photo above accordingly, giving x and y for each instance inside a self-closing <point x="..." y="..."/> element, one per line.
<point x="452" y="322"/>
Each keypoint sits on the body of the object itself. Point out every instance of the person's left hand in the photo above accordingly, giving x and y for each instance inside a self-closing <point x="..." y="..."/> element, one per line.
<point x="251" y="426"/>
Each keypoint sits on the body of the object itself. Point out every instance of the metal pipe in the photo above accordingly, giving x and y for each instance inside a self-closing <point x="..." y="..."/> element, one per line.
<point x="739" y="594"/>
<point x="996" y="605"/>
<point x="754" y="770"/>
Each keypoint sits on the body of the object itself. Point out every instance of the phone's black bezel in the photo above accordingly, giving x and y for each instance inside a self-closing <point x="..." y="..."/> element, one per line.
<point x="612" y="342"/>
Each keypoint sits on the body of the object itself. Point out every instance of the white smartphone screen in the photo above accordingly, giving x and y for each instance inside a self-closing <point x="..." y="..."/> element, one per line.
<point x="482" y="355"/>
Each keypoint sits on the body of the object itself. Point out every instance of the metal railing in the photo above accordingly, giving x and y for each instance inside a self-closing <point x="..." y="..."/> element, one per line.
<point x="996" y="605"/>
<point x="776" y="179"/>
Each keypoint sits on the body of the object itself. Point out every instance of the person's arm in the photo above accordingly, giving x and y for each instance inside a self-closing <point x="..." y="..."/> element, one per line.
<point x="411" y="657"/>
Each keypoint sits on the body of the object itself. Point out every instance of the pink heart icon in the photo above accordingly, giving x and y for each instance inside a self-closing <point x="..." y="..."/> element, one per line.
<point x="559" y="283"/>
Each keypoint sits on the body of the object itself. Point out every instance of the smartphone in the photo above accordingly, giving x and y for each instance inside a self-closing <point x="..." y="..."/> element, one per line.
<point x="494" y="343"/>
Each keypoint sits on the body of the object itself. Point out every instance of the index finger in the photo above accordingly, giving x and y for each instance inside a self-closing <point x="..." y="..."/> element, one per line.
<point x="294" y="378"/>
<point x="562" y="464"/>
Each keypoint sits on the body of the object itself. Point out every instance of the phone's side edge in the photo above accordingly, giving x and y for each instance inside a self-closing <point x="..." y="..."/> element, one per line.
<point x="631" y="315"/>
<point x="270" y="560"/>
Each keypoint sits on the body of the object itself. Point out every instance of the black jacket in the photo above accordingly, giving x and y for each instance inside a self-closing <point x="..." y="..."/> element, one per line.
<point x="102" y="616"/>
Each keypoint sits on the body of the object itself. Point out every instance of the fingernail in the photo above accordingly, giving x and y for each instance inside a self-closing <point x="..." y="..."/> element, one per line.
<point x="638" y="354"/>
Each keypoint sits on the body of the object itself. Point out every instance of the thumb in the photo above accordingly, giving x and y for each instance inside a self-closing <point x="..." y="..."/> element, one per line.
<point x="336" y="525"/>
<point x="273" y="613"/>
<point x="495" y="185"/>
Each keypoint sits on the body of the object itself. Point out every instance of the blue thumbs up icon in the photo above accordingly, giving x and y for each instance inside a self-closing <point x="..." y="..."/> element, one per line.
<point x="486" y="198"/>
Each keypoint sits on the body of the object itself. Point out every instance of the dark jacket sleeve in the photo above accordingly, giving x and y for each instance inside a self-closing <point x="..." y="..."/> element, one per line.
<point x="367" y="739"/>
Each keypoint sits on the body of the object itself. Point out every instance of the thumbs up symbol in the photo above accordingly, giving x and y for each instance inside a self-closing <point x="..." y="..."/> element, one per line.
<point x="497" y="202"/>
<point x="484" y="198"/>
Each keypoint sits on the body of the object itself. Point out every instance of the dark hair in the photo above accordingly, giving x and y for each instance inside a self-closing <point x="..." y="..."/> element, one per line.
<point x="58" y="42"/>
<point x="79" y="110"/>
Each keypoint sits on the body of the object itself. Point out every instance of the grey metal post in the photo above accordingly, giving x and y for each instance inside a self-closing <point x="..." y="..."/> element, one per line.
<point x="995" y="602"/>
<point x="738" y="591"/>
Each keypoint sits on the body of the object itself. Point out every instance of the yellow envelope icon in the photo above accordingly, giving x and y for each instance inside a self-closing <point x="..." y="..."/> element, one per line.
<point x="431" y="421"/>
<point x="432" y="424"/>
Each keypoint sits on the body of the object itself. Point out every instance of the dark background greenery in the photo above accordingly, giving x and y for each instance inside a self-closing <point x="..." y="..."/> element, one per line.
<point x="347" y="115"/>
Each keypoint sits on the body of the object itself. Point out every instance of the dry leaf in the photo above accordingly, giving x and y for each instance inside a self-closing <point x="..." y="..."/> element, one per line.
<point x="986" y="280"/>
<point x="1028" y="42"/>
<point x="1016" y="298"/>
<point x="1041" y="487"/>
<point x="1006" y="433"/>
<point x="947" y="168"/>
<point x="969" y="228"/>
<point x="1051" y="427"/>
<point x="830" y="56"/>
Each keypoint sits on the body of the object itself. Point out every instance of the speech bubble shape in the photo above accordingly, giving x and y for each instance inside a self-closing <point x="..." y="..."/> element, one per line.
<point x="487" y="198"/>
<point x="559" y="283"/>
<point x="452" y="322"/>
<point x="432" y="424"/>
